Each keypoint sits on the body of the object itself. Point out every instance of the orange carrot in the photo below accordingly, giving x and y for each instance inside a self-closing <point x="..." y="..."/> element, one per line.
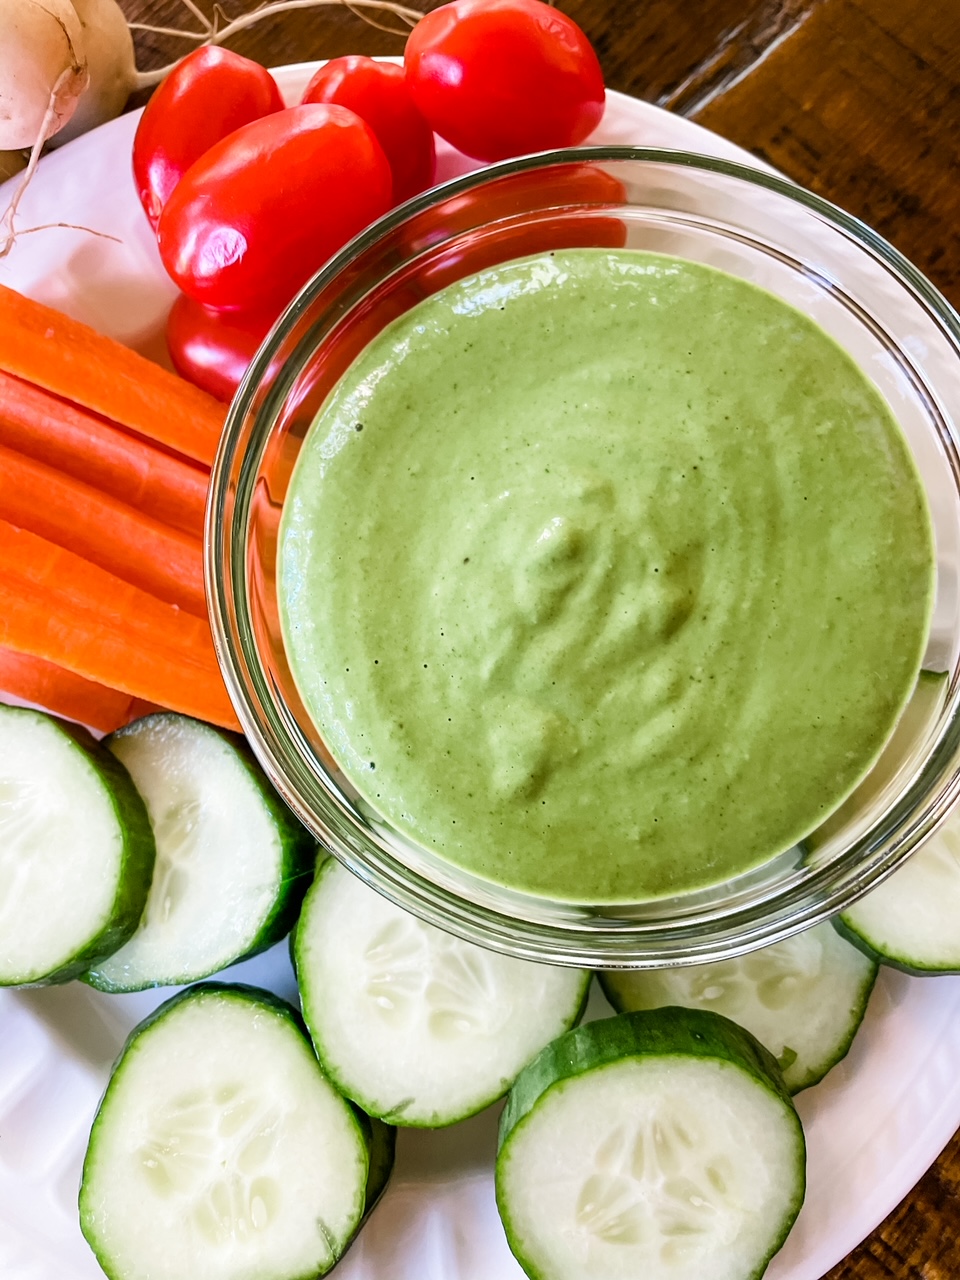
<point x="72" y="360"/>
<point x="55" y="605"/>
<point x="140" y="550"/>
<point x="66" y="694"/>
<point x="89" y="448"/>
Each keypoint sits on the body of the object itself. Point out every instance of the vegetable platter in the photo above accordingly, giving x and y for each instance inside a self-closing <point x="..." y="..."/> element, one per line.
<point x="873" y="1126"/>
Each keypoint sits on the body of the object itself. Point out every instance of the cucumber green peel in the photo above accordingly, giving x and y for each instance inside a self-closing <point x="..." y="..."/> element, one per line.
<point x="221" y="1150"/>
<point x="909" y="922"/>
<point x="418" y="1027"/>
<point x="78" y="850"/>
<point x="803" y="998"/>
<point x="661" y="1144"/>
<point x="671" y="1031"/>
<point x="232" y="861"/>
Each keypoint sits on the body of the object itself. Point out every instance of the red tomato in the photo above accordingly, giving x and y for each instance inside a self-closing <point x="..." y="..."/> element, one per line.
<point x="256" y="216"/>
<point x="206" y="96"/>
<point x="501" y="78"/>
<point x="212" y="349"/>
<point x="378" y="92"/>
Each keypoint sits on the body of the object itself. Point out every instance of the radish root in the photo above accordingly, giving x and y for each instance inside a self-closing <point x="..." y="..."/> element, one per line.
<point x="61" y="103"/>
<point x="8" y="232"/>
<point x="212" y="32"/>
<point x="67" y="226"/>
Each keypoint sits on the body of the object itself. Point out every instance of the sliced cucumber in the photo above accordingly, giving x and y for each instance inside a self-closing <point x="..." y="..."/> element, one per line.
<point x="382" y="1147"/>
<point x="76" y="850"/>
<point x="417" y="1026"/>
<point x="220" y="1149"/>
<point x="232" y="861"/>
<point x="660" y="1145"/>
<point x="912" y="920"/>
<point x="803" y="998"/>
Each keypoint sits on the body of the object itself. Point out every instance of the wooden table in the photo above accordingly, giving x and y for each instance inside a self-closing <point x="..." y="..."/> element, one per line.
<point x="857" y="99"/>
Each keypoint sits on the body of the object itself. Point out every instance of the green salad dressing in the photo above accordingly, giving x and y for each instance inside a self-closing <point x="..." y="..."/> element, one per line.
<point x="605" y="575"/>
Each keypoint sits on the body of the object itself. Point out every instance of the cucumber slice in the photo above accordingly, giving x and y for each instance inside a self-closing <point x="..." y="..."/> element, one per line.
<point x="661" y="1145"/>
<point x="232" y="861"/>
<point x="76" y="850"/>
<point x="803" y="998"/>
<point x="220" y="1149"/>
<point x="382" y="1147"/>
<point x="910" y="921"/>
<point x="418" y="1027"/>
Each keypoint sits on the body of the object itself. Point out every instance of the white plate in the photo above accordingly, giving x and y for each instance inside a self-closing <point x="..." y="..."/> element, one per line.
<point x="873" y="1127"/>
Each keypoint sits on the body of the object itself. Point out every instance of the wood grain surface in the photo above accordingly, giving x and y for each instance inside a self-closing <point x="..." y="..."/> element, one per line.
<point x="857" y="99"/>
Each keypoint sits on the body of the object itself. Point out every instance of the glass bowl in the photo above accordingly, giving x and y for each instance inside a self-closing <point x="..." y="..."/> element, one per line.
<point x="746" y="222"/>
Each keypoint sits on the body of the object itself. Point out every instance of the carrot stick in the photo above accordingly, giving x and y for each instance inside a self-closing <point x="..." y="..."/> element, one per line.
<point x="135" y="547"/>
<point x="66" y="694"/>
<point x="55" y="605"/>
<point x="72" y="360"/>
<point x="89" y="448"/>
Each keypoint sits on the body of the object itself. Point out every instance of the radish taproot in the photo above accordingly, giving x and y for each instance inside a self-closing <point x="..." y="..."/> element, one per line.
<point x="43" y="69"/>
<point x="43" y="72"/>
<point x="112" y="69"/>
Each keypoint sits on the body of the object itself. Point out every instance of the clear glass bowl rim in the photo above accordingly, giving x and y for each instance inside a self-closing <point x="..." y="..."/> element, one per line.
<point x="597" y="943"/>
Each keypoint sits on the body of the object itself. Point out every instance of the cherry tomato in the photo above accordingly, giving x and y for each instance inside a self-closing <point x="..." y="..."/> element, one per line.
<point x="207" y="96"/>
<point x="501" y="78"/>
<point x="212" y="349"/>
<point x="378" y="92"/>
<point x="256" y="216"/>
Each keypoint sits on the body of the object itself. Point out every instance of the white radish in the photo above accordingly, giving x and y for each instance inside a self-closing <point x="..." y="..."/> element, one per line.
<point x="110" y="63"/>
<point x="43" y="69"/>
<point x="43" y="72"/>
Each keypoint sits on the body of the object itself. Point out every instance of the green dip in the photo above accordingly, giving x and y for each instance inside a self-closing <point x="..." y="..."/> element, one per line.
<point x="605" y="575"/>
